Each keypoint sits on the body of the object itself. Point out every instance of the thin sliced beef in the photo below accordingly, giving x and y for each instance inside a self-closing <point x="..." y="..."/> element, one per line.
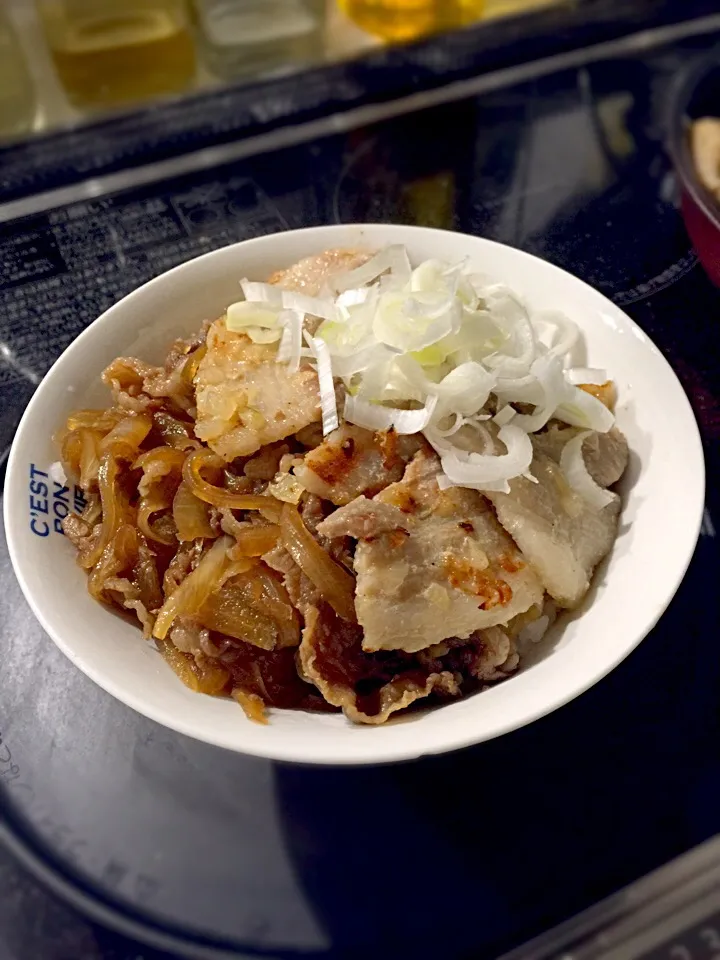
<point x="183" y="563"/>
<point x="79" y="532"/>
<point x="371" y="686"/>
<point x="271" y="676"/>
<point x="139" y="387"/>
<point x="302" y="592"/>
<point x="488" y="656"/>
<point x="367" y="687"/>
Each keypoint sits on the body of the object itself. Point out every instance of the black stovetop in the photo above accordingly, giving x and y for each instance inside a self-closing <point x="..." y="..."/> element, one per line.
<point x="457" y="856"/>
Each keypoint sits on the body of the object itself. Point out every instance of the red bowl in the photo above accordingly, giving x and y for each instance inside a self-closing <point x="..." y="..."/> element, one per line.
<point x="697" y="95"/>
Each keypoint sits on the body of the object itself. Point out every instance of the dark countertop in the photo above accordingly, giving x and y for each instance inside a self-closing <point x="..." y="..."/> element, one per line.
<point x="35" y="925"/>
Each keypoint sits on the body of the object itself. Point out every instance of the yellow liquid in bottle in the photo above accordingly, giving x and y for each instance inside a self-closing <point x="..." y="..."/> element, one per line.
<point x="507" y="8"/>
<point x="17" y="95"/>
<point x="407" y="19"/>
<point x="111" y="53"/>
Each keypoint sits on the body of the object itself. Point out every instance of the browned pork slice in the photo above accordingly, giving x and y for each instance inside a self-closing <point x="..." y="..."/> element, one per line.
<point x="560" y="535"/>
<point x="310" y="275"/>
<point x="245" y="399"/>
<point x="605" y="454"/>
<point x="363" y="519"/>
<point x="447" y="570"/>
<point x="352" y="461"/>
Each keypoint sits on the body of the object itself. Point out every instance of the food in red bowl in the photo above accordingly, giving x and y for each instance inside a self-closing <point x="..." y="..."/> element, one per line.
<point x="694" y="143"/>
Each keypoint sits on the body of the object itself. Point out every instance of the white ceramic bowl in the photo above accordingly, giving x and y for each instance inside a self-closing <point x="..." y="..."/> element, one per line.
<point x="663" y="500"/>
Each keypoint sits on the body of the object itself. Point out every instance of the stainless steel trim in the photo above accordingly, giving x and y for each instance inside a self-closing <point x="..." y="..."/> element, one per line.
<point x="633" y="920"/>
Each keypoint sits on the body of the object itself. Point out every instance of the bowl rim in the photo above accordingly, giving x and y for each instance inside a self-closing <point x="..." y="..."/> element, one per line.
<point x="458" y="737"/>
<point x="678" y="146"/>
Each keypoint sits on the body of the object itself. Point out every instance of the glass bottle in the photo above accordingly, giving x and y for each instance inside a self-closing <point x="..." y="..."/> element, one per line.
<point x="508" y="8"/>
<point x="17" y="94"/>
<point x="259" y="36"/>
<point x="110" y="52"/>
<point x="406" y="19"/>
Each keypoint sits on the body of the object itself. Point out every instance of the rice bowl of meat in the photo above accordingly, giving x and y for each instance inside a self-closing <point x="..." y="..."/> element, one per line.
<point x="368" y="483"/>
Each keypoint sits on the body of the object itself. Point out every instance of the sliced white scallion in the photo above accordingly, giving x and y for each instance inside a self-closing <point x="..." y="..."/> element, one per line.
<point x="504" y="415"/>
<point x="584" y="410"/>
<point x="566" y="331"/>
<point x="449" y="431"/>
<point x="431" y="275"/>
<point x="425" y="350"/>
<point x="328" y="403"/>
<point x="512" y="318"/>
<point x="481" y="470"/>
<point x="313" y="306"/>
<point x="393" y="258"/>
<point x="409" y="324"/>
<point x="352" y="298"/>
<point x="464" y="390"/>
<point x="241" y="315"/>
<point x="346" y="367"/>
<point x="373" y="416"/>
<point x="275" y="298"/>
<point x="572" y="464"/>
<point x="291" y="342"/>
<point x="548" y="372"/>
<point x="268" y="293"/>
